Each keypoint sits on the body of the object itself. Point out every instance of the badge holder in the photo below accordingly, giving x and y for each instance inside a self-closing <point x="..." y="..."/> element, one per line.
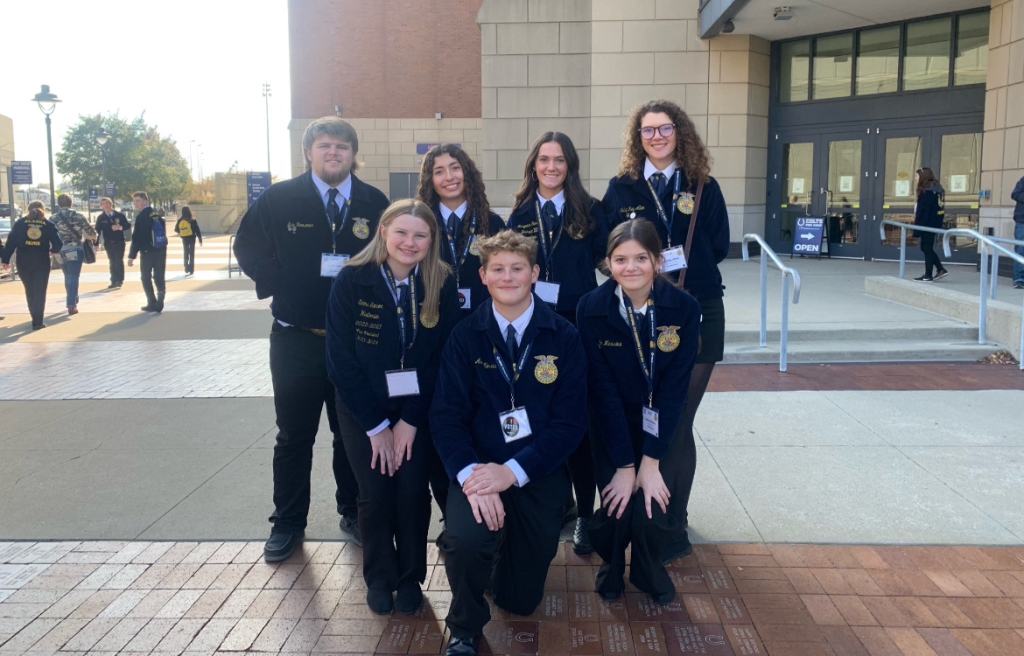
<point x="674" y="259"/>
<point x="465" y="298"/>
<point x="331" y="264"/>
<point x="515" y="424"/>
<point x="547" y="291"/>
<point x="650" y="420"/>
<point x="402" y="382"/>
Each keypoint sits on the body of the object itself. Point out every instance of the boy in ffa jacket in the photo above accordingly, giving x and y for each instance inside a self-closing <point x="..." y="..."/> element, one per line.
<point x="508" y="410"/>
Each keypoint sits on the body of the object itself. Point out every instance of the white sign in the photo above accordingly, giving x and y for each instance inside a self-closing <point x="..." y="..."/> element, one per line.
<point x="958" y="184"/>
<point x="798" y="185"/>
<point x="901" y="188"/>
<point x="846" y="184"/>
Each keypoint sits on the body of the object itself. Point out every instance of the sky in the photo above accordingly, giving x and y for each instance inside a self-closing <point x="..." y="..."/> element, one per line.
<point x="195" y="67"/>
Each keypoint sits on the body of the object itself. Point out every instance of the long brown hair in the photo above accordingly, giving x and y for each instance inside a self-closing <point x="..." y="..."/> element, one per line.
<point x="925" y="177"/>
<point x="578" y="223"/>
<point x="472" y="182"/>
<point x="691" y="155"/>
<point x="186" y="213"/>
<point x="433" y="269"/>
<point x="36" y="210"/>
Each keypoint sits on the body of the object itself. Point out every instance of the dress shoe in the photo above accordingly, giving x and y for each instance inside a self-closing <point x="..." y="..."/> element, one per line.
<point x="409" y="598"/>
<point x="350" y="525"/>
<point x="148" y="308"/>
<point x="113" y="285"/>
<point x="678" y="548"/>
<point x="463" y="646"/>
<point x="665" y="598"/>
<point x="581" y="537"/>
<point x="611" y="595"/>
<point x="281" y="545"/>
<point x="39" y="327"/>
<point x="380" y="601"/>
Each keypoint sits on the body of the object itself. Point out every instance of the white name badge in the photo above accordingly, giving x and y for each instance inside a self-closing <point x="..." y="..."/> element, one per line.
<point x="465" y="298"/>
<point x="547" y="291"/>
<point x="515" y="425"/>
<point x="651" y="421"/>
<point x="674" y="260"/>
<point x="330" y="264"/>
<point x="402" y="383"/>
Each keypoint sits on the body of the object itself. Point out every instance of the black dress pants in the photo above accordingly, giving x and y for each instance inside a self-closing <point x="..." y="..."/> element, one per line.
<point x="115" y="257"/>
<point x="931" y="258"/>
<point x="513" y="561"/>
<point x="298" y="370"/>
<point x="581" y="465"/>
<point x="153" y="265"/>
<point x="35" y="276"/>
<point x="394" y="511"/>
<point x="648" y="536"/>
<point x="188" y="245"/>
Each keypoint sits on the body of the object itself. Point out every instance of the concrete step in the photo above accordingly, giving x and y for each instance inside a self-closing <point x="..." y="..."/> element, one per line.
<point x="875" y="350"/>
<point x="944" y="330"/>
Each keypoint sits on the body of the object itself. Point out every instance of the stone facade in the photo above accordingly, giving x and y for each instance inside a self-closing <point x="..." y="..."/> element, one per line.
<point x="6" y="153"/>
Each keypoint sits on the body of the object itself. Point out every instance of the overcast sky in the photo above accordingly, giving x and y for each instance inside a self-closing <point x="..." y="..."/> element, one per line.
<point x="194" y="66"/>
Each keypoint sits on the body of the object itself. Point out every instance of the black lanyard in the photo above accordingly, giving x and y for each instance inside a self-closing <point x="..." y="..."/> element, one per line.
<point x="459" y="261"/>
<point x="648" y="371"/>
<point x="511" y="377"/>
<point x="545" y="238"/>
<point x="667" y="219"/>
<point x="341" y="225"/>
<point x="414" y="313"/>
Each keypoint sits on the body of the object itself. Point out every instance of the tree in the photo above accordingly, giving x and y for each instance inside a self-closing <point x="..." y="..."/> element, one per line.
<point x="137" y="158"/>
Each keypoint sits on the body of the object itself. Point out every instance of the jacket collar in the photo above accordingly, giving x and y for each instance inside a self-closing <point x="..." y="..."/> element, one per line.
<point x="369" y="275"/>
<point x="484" y="321"/>
<point x="306" y="188"/>
<point x="605" y="303"/>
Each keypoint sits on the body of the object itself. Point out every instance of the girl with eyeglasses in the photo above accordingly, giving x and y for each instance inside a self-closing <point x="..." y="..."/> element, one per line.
<point x="664" y="177"/>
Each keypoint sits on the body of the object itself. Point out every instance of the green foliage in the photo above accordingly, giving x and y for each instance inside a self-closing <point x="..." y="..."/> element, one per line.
<point x="137" y="158"/>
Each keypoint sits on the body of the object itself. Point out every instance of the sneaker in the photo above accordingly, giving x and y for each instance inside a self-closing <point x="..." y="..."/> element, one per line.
<point x="1019" y="284"/>
<point x="350" y="525"/>
<point x="941" y="274"/>
<point x="924" y="279"/>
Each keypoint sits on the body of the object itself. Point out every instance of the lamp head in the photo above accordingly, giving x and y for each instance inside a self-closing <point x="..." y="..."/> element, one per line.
<point x="47" y="101"/>
<point x="102" y="136"/>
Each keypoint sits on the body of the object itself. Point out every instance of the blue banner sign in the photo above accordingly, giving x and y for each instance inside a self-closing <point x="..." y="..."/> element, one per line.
<point x="94" y="194"/>
<point x="108" y="189"/>
<point x="257" y="182"/>
<point x="807" y="235"/>
<point x="21" y="173"/>
<point x="424" y="148"/>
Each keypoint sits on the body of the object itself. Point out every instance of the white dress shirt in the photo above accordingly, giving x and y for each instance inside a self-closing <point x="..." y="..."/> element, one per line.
<point x="650" y="169"/>
<point x="558" y="199"/>
<point x="344" y="189"/>
<point x="459" y="212"/>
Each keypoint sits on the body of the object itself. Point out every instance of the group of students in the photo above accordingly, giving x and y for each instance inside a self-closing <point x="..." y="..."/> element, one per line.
<point x="482" y="360"/>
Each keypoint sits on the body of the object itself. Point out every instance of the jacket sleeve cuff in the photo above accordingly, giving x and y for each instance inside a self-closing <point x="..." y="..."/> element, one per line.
<point x="384" y="424"/>
<point x="521" y="478"/>
<point x="464" y="473"/>
<point x="654" y="447"/>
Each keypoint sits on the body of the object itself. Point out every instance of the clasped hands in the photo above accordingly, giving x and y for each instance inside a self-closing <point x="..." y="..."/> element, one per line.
<point x="624" y="484"/>
<point x="483" y="488"/>
<point x="391" y="447"/>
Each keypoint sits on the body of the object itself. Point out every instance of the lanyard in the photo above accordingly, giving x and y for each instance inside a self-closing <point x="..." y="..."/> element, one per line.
<point x="512" y="376"/>
<point x="647" y="370"/>
<point x="341" y="225"/>
<point x="401" y="311"/>
<point x="667" y="219"/>
<point x="546" y="238"/>
<point x="459" y="261"/>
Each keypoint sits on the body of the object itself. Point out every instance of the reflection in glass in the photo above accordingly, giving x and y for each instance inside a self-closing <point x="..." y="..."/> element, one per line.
<point x="960" y="169"/>
<point x="971" y="49"/>
<point x="795" y="71"/>
<point x="844" y="179"/>
<point x="892" y="233"/>
<point x="833" y="65"/>
<point x="926" y="65"/>
<point x="902" y="159"/>
<point x="878" y="60"/>
<point x="797" y="173"/>
<point x="965" y="221"/>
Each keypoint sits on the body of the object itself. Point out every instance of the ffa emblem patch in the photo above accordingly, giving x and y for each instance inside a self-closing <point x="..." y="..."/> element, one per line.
<point x="545" y="372"/>
<point x="34" y="233"/>
<point x="685" y="203"/>
<point x="428" y="323"/>
<point x="360" y="228"/>
<point x="292" y="228"/>
<point x="668" y="340"/>
<point x="474" y="246"/>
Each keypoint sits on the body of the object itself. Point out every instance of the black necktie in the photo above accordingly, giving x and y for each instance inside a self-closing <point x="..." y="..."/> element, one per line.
<point x="453" y="224"/>
<point x="332" y="206"/>
<point x="550" y="215"/>
<point x="403" y="302"/>
<point x="658" y="182"/>
<point x="510" y="343"/>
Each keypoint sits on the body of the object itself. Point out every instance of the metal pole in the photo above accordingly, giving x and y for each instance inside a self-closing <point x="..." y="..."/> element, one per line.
<point x="266" y="103"/>
<point x="764" y="298"/>
<point x="784" y="341"/>
<point x="903" y="253"/>
<point x="1020" y="353"/>
<point x="10" y="192"/>
<point x="49" y="151"/>
<point x="983" y="304"/>
<point x="103" y="169"/>
<point x="994" y="282"/>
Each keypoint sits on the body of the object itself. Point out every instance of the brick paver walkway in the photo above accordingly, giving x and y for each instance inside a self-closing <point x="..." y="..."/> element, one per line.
<point x="734" y="599"/>
<point x="866" y="376"/>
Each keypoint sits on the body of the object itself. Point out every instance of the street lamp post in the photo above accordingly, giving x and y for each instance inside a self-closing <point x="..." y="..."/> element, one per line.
<point x="102" y="137"/>
<point x="47" y="104"/>
<point x="266" y="105"/>
<point x="191" y="170"/>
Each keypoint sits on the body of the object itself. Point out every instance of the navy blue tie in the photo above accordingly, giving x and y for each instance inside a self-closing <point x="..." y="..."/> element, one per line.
<point x="550" y="216"/>
<point x="510" y="343"/>
<point x="332" y="206"/>
<point x="658" y="182"/>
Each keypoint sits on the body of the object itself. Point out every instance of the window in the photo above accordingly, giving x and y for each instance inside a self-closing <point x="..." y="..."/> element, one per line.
<point x="971" y="49"/>
<point x="926" y="64"/>
<point x="878" y="60"/>
<point x="795" y="71"/>
<point x="833" y="65"/>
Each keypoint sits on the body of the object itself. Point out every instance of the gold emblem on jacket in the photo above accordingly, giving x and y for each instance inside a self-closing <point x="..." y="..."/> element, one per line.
<point x="545" y="372"/>
<point x="360" y="228"/>
<point x="668" y="340"/>
<point x="474" y="246"/>
<point x="427" y="323"/>
<point x="685" y="203"/>
<point x="34" y="233"/>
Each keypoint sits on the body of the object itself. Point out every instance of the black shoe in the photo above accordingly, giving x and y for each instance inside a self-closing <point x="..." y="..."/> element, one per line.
<point x="940" y="275"/>
<point x="1019" y="284"/>
<point x="148" y="308"/>
<point x="39" y="327"/>
<point x="610" y="595"/>
<point x="380" y="601"/>
<point x="463" y="646"/>
<point x="281" y="545"/>
<point x="581" y="537"/>
<point x="113" y="285"/>
<point x="570" y="515"/>
<point x="665" y="598"/>
<point x="409" y="598"/>
<point x="924" y="279"/>
<point x="678" y="548"/>
<point x="350" y="524"/>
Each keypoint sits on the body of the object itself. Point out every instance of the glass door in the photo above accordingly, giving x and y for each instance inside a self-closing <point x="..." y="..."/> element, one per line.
<point x="793" y="192"/>
<point x="846" y="193"/>
<point x="959" y="173"/>
<point x="899" y="155"/>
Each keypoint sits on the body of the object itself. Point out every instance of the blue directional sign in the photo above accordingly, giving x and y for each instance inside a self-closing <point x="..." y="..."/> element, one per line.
<point x="94" y="194"/>
<point x="257" y="182"/>
<point x="21" y="173"/>
<point x="108" y="189"/>
<point x="807" y="235"/>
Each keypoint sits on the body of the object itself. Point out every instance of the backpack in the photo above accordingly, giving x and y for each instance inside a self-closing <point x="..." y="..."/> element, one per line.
<point x="184" y="228"/>
<point x="159" y="233"/>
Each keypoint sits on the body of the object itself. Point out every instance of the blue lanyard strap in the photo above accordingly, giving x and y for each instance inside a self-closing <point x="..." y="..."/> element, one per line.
<point x="648" y="371"/>
<point x="546" y="238"/>
<point x="341" y="225"/>
<point x="459" y="261"/>
<point x="511" y="377"/>
<point x="413" y="309"/>
<point x="667" y="219"/>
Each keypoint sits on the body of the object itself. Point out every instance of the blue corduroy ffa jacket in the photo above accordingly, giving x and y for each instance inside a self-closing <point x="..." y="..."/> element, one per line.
<point x="471" y="394"/>
<point x="616" y="382"/>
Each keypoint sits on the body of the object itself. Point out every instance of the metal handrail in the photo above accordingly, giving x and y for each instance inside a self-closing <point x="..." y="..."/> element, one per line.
<point x="231" y="255"/>
<point x="994" y="281"/>
<point x="903" y="238"/>
<point x="987" y="245"/>
<point x="787" y="272"/>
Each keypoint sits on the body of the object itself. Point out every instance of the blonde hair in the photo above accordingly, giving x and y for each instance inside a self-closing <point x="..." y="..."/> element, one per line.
<point x="508" y="241"/>
<point x="433" y="269"/>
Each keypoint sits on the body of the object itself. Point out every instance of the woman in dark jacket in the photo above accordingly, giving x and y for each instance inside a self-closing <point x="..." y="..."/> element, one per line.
<point x="389" y="314"/>
<point x="929" y="211"/>
<point x="640" y="333"/>
<point x="571" y="232"/>
<point x="660" y="175"/>
<point x="34" y="238"/>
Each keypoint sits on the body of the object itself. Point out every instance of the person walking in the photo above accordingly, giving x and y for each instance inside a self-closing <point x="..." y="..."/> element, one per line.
<point x="1018" y="232"/>
<point x="112" y="227"/>
<point x="33" y="238"/>
<point x="188" y="229"/>
<point x="929" y="211"/>
<point x="74" y="229"/>
<point x="150" y="239"/>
